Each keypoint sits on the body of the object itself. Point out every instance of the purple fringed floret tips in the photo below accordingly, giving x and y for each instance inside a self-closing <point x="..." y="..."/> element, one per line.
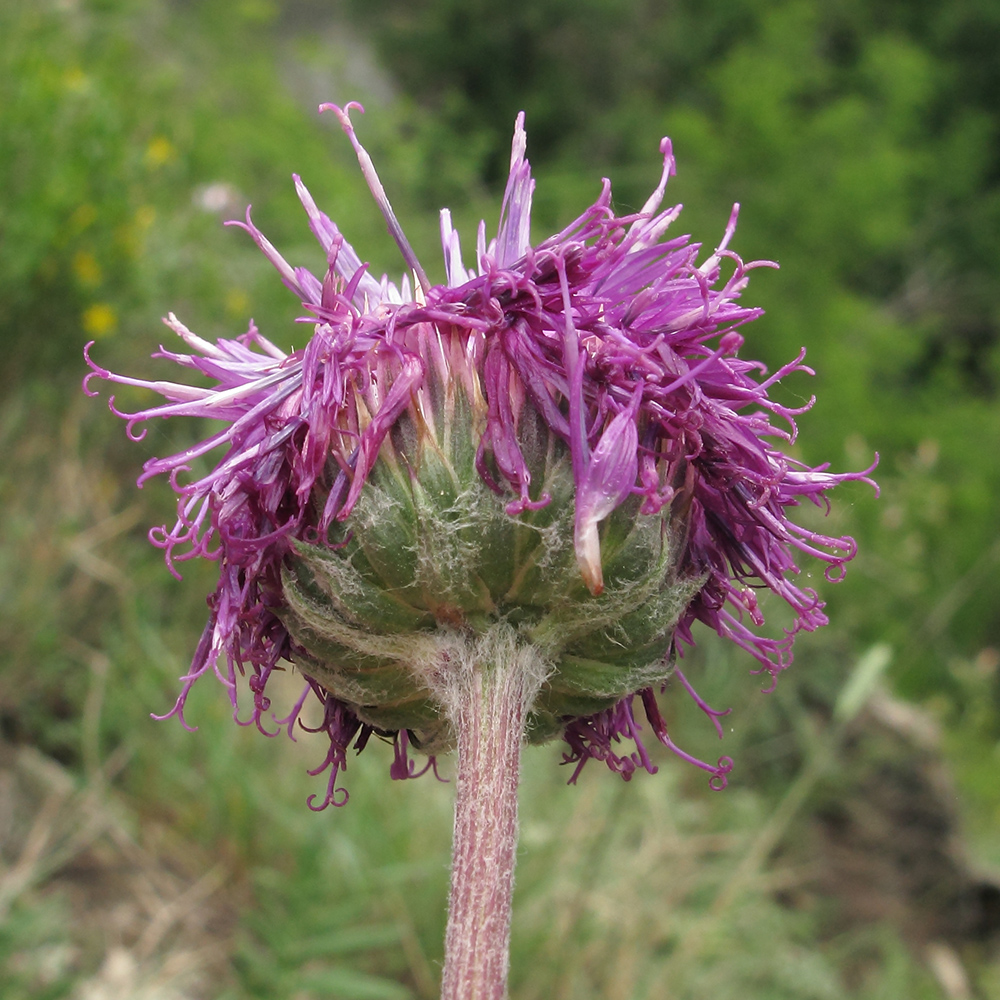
<point x="626" y="346"/>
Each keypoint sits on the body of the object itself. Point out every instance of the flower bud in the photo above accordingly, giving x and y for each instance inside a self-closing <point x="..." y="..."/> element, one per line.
<point x="560" y="446"/>
<point x="430" y="550"/>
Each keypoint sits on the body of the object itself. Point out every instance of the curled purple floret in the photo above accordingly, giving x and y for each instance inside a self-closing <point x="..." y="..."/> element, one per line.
<point x="598" y="737"/>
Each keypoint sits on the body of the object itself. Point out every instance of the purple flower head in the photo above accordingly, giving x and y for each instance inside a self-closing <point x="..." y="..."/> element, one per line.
<point x="562" y="437"/>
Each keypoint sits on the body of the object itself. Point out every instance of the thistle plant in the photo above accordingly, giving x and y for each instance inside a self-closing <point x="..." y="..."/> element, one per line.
<point x="489" y="512"/>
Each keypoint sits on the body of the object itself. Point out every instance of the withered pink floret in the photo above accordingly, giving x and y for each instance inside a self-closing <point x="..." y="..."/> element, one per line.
<point x="623" y="342"/>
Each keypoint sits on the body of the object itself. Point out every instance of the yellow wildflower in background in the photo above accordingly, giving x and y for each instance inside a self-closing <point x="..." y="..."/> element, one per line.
<point x="86" y="269"/>
<point x="99" y="320"/>
<point x="160" y="151"/>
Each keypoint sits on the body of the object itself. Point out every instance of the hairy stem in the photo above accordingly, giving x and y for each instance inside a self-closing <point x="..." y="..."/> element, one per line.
<point x="487" y="697"/>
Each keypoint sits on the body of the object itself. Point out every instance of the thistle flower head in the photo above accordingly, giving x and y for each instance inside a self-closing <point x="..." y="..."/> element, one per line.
<point x="562" y="437"/>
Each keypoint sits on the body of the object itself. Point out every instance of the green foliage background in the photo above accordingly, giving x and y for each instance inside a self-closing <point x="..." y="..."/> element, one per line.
<point x="863" y="141"/>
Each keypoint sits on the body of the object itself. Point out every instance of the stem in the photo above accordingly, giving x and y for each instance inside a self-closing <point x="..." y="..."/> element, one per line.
<point x="487" y="697"/>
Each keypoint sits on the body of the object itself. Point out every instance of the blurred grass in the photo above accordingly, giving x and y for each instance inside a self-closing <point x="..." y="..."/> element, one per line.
<point x="127" y="129"/>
